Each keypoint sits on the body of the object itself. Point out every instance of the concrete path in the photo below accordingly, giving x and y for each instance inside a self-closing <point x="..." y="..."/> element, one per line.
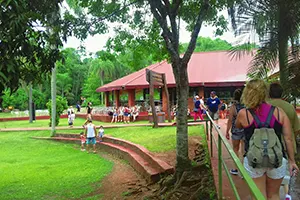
<point x="80" y="127"/>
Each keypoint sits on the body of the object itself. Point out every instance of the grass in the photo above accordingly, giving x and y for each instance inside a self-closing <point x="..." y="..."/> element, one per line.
<point x="156" y="140"/>
<point x="5" y="115"/>
<point x="45" y="123"/>
<point x="38" y="123"/>
<point x="40" y="169"/>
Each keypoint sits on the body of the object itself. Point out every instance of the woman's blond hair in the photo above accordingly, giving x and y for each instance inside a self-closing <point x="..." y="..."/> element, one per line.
<point x="255" y="93"/>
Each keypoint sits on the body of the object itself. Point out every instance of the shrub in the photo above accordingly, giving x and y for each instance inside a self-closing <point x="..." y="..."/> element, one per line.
<point x="61" y="105"/>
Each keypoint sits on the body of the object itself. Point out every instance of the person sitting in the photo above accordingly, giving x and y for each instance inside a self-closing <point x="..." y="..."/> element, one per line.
<point x="135" y="112"/>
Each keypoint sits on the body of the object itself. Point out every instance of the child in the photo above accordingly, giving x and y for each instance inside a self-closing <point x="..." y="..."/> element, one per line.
<point x="71" y="119"/>
<point x="82" y="139"/>
<point x="100" y="133"/>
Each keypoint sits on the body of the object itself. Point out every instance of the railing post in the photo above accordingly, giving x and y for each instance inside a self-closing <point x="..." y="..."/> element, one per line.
<point x="206" y="130"/>
<point x="211" y="141"/>
<point x="220" y="166"/>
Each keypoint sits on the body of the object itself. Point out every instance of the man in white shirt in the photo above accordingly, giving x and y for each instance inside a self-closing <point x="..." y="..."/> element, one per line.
<point x="90" y="134"/>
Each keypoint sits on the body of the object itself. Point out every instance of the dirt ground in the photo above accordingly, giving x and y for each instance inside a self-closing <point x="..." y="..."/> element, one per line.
<point x="124" y="183"/>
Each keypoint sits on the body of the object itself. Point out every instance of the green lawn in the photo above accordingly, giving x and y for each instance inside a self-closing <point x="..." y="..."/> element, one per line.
<point x="38" y="123"/>
<point x="63" y="122"/>
<point x="155" y="140"/>
<point x="5" y="115"/>
<point x="40" y="169"/>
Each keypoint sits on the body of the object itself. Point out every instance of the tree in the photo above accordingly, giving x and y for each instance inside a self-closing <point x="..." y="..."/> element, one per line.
<point x="277" y="23"/>
<point x="204" y="44"/>
<point x="64" y="84"/>
<point x="61" y="105"/>
<point x="167" y="14"/>
<point x="100" y="72"/>
<point x="25" y="52"/>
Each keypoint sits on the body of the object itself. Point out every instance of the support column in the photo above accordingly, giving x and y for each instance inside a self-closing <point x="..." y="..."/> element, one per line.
<point x="164" y="102"/>
<point x="131" y="97"/>
<point x="201" y="92"/>
<point x="117" y="98"/>
<point x="107" y="99"/>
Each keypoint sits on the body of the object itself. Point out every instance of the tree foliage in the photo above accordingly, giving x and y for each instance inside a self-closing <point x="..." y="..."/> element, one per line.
<point x="204" y="44"/>
<point x="61" y="105"/>
<point x="277" y="22"/>
<point x="25" y="52"/>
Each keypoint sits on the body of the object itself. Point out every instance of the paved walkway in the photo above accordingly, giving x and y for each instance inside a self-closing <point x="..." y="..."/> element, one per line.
<point x="242" y="187"/>
<point x="80" y="127"/>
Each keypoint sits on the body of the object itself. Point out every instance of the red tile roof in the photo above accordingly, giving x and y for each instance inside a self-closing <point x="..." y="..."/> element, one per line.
<point x="206" y="69"/>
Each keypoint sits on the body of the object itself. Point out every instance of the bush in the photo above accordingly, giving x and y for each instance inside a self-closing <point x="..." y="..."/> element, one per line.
<point x="61" y="105"/>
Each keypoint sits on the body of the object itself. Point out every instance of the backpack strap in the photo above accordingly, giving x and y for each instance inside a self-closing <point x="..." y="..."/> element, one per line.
<point x="278" y="114"/>
<point x="267" y="123"/>
<point x="247" y="116"/>
<point x="258" y="122"/>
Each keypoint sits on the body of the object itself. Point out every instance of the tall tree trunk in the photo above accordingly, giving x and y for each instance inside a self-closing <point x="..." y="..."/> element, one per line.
<point x="182" y="88"/>
<point x="283" y="43"/>
<point x="30" y="104"/>
<point x="53" y="97"/>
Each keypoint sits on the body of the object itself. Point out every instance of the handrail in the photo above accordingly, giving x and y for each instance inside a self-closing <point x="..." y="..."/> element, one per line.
<point x="256" y="193"/>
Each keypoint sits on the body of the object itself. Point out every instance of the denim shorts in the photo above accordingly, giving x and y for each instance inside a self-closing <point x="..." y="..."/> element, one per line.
<point x="91" y="140"/>
<point x="238" y="136"/>
<point x="273" y="173"/>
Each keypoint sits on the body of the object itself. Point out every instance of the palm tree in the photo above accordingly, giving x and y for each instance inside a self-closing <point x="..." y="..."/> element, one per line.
<point x="64" y="84"/>
<point x="277" y="24"/>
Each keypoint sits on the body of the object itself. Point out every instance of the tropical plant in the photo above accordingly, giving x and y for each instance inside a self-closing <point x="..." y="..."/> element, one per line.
<point x="277" y="24"/>
<point x="63" y="83"/>
<point x="25" y="52"/>
<point x="61" y="105"/>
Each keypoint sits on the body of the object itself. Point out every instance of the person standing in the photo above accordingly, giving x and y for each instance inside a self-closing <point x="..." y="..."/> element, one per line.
<point x="89" y="110"/>
<point x="237" y="134"/>
<point x="213" y="103"/>
<point x="78" y="106"/>
<point x="90" y="133"/>
<point x="197" y="108"/>
<point x="115" y="115"/>
<point x="101" y="133"/>
<point x="82" y="140"/>
<point x="70" y="110"/>
<point x="71" y="119"/>
<point x="275" y="93"/>
<point x="258" y="114"/>
<point x="127" y="112"/>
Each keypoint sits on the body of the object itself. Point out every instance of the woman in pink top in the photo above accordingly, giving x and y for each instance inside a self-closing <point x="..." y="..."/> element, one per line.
<point x="268" y="180"/>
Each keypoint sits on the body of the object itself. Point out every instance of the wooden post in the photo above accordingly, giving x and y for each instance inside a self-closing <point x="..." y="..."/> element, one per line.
<point x="151" y="95"/>
<point x="167" y="96"/>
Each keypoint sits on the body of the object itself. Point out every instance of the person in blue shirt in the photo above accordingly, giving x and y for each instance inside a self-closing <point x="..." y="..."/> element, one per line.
<point x="213" y="106"/>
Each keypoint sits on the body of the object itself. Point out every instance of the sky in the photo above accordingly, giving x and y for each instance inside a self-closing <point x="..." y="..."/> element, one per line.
<point x="97" y="42"/>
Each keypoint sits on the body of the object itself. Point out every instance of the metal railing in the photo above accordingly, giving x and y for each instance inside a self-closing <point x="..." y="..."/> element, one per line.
<point x="256" y="193"/>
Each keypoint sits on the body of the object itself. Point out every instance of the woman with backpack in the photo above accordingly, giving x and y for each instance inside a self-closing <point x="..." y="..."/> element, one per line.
<point x="265" y="159"/>
<point x="237" y="134"/>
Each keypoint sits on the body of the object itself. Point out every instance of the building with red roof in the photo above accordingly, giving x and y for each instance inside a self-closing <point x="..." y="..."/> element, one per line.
<point x="218" y="71"/>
